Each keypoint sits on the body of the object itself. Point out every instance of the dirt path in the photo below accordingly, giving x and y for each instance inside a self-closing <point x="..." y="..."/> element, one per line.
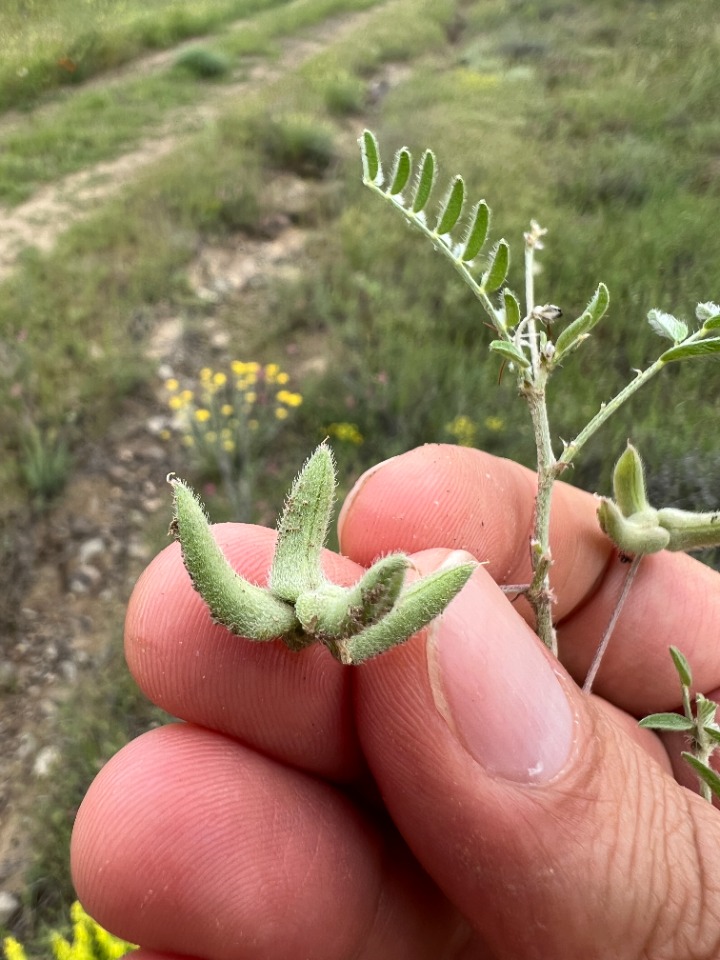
<point x="87" y="552"/>
<point x="54" y="208"/>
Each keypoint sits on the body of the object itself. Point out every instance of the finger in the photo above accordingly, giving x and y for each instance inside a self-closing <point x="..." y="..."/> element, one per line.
<point x="442" y="495"/>
<point x="190" y="843"/>
<point x="553" y="831"/>
<point x="293" y="706"/>
<point x="456" y="497"/>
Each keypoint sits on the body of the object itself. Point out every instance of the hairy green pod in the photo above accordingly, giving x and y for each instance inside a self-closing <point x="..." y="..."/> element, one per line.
<point x="639" y="534"/>
<point x="244" y="608"/>
<point x="303" y="528"/>
<point x="420" y="603"/>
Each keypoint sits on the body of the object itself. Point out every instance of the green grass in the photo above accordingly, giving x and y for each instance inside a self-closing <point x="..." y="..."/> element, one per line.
<point x="48" y="45"/>
<point x="95" y="125"/>
<point x="598" y="120"/>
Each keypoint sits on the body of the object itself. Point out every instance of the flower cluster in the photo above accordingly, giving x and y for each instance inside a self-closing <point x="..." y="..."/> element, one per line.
<point x="346" y="433"/>
<point x="90" y="941"/>
<point x="227" y="419"/>
<point x="465" y="430"/>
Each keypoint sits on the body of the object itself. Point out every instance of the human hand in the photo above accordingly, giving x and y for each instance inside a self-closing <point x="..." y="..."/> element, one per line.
<point x="455" y="799"/>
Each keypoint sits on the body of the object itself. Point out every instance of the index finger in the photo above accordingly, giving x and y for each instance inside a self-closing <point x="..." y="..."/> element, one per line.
<point x="448" y="496"/>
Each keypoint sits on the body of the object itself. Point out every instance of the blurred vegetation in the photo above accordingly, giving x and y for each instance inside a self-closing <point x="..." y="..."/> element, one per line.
<point x="597" y="119"/>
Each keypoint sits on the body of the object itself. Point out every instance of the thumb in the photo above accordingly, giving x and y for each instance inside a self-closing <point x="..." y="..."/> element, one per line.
<point x="536" y="809"/>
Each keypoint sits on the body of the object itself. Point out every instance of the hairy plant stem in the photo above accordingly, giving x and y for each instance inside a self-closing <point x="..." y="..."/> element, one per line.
<point x="532" y="387"/>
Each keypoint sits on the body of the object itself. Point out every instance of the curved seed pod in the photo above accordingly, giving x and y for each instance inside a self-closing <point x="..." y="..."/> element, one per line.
<point x="420" y="603"/>
<point x="690" y="531"/>
<point x="244" y="608"/>
<point x="331" y="612"/>
<point x="682" y="666"/>
<point x="629" y="483"/>
<point x="639" y="534"/>
<point x="303" y="528"/>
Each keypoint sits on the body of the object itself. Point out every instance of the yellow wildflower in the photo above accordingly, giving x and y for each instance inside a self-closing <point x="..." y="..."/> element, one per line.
<point x="171" y="384"/>
<point x="202" y="415"/>
<point x="463" y="429"/>
<point x="211" y="437"/>
<point x="238" y="367"/>
<point x="219" y="379"/>
<point x="282" y="377"/>
<point x="186" y="396"/>
<point x="494" y="423"/>
<point x="175" y="402"/>
<point x="206" y="374"/>
<point x="188" y="441"/>
<point x="271" y="372"/>
<point x="13" y="949"/>
<point x="347" y="432"/>
<point x="250" y="397"/>
<point x="227" y="409"/>
<point x="280" y="413"/>
<point x="228" y="446"/>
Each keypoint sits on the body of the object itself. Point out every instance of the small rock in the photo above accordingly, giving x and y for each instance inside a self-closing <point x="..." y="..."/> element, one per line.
<point x="85" y="579"/>
<point x="9" y="905"/>
<point x="45" y="761"/>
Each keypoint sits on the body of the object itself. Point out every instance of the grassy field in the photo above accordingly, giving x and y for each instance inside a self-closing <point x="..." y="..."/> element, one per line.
<point x="598" y="120"/>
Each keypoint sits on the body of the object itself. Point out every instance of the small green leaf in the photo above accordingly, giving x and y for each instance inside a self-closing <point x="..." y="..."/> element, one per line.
<point x="706" y="773"/>
<point x="682" y="666"/>
<point x="425" y="181"/>
<point x="708" y="314"/>
<point x="512" y="309"/>
<point x="667" y="721"/>
<point x="494" y="276"/>
<point x="303" y="528"/>
<point x="372" y="170"/>
<point x="578" y="330"/>
<point x="477" y="231"/>
<point x="508" y="351"/>
<point x="688" y="351"/>
<point x="666" y="325"/>
<point x="705" y="710"/>
<point x="401" y="173"/>
<point x="451" y="208"/>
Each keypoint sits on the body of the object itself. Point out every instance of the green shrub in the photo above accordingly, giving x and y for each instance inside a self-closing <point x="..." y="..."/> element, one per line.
<point x="203" y="63"/>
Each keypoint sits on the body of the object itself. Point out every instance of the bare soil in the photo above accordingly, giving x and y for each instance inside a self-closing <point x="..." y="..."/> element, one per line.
<point x="74" y="565"/>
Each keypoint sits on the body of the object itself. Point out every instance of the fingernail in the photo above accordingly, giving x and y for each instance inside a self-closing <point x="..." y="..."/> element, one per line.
<point x="497" y="690"/>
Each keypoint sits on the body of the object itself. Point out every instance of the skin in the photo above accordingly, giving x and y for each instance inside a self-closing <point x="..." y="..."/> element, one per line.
<point x="306" y="810"/>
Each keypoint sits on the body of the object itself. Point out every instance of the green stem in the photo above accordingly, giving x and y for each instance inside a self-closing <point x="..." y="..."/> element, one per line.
<point x="608" y="409"/>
